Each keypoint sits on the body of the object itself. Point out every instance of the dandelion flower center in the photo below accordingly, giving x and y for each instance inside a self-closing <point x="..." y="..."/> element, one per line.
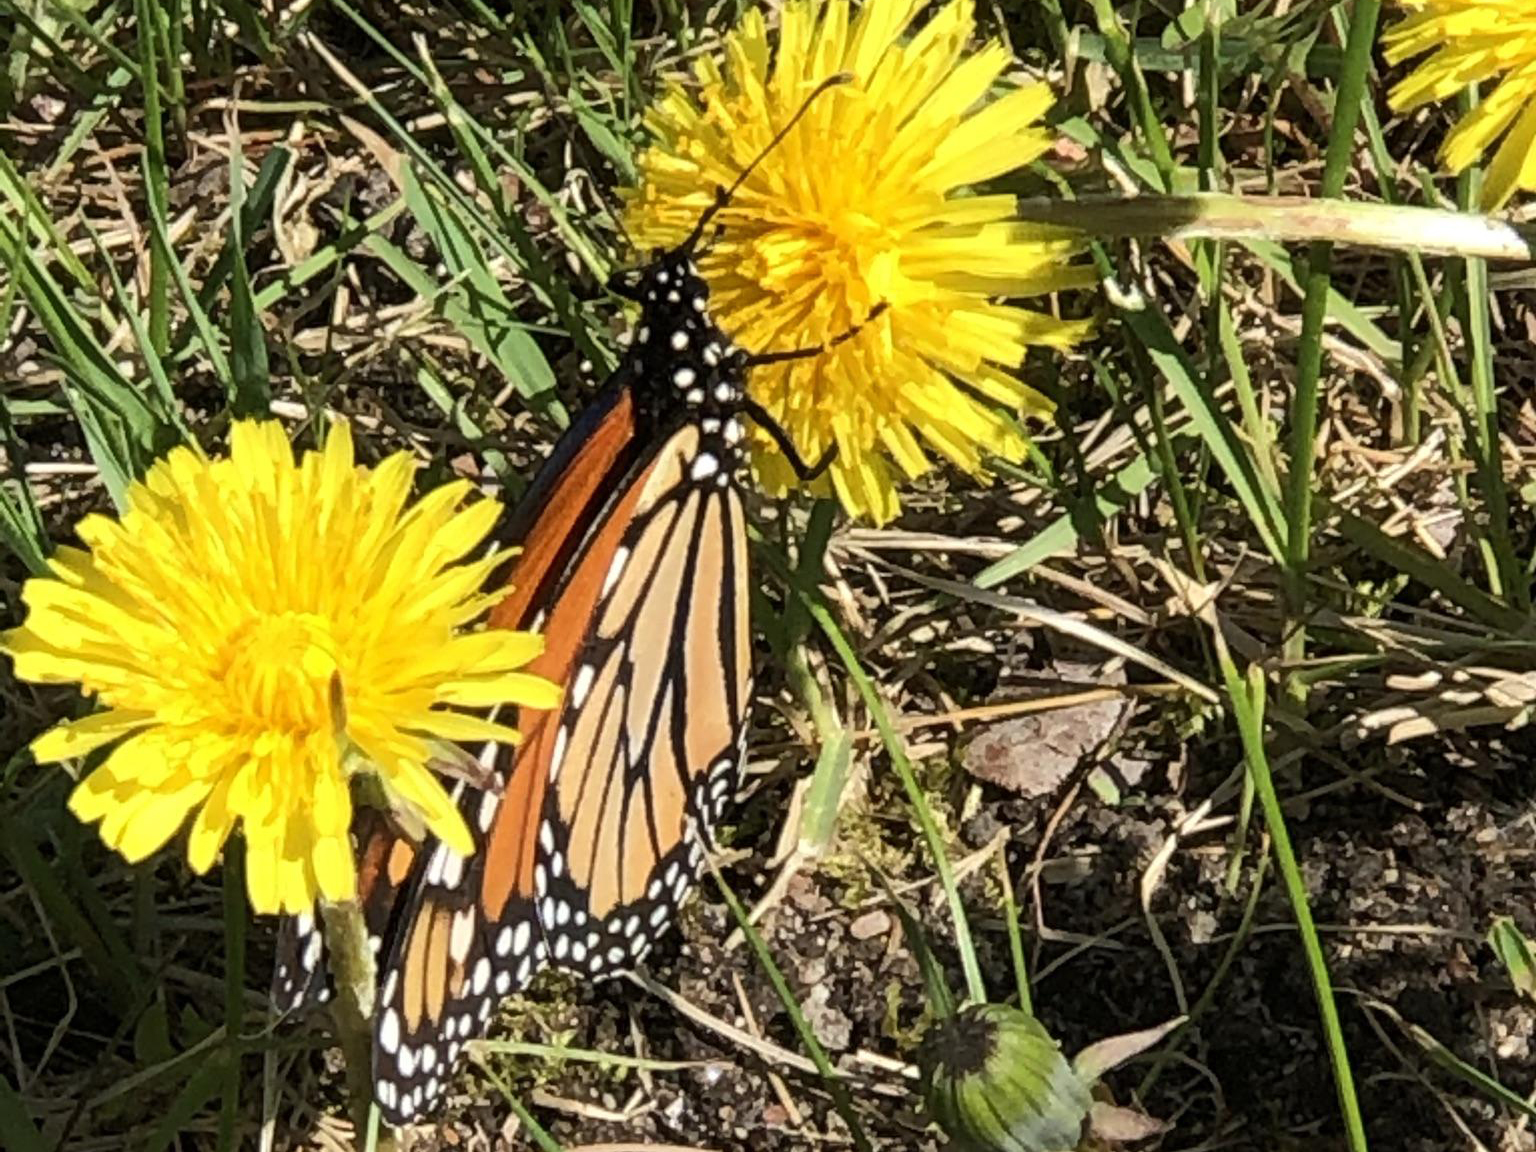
<point x="281" y="673"/>
<point x="836" y="255"/>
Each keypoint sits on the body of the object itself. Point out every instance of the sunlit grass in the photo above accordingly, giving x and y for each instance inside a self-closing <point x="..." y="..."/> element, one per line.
<point x="423" y="220"/>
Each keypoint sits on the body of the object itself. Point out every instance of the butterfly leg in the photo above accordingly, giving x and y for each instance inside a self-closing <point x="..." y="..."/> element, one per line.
<point x="804" y="472"/>
<point x="758" y="359"/>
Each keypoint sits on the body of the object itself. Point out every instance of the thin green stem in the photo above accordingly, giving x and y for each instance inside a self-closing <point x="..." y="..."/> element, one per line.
<point x="1404" y="269"/>
<point x="1314" y="315"/>
<point x="842" y="1101"/>
<point x="976" y="988"/>
<point x="234" y="985"/>
<point x="1189" y="531"/>
<point x="535" y="1130"/>
<point x="812" y="560"/>
<point x="1015" y="937"/>
<point x="174" y="27"/>
<point x="1506" y="579"/>
<point x="1247" y="699"/>
<point x="156" y="180"/>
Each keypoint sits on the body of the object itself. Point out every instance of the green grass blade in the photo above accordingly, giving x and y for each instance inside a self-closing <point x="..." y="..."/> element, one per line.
<point x="118" y="460"/>
<point x="1015" y="936"/>
<point x="940" y="998"/>
<point x="1061" y="535"/>
<point x="1119" y="51"/>
<point x="1340" y="309"/>
<point x="201" y="1089"/>
<point x="63" y="911"/>
<point x="480" y="309"/>
<point x="1447" y="1060"/>
<point x="249" y="373"/>
<point x="1432" y="573"/>
<point x="327" y="257"/>
<point x="101" y="41"/>
<point x="39" y="227"/>
<point x="17" y="1132"/>
<point x="92" y="371"/>
<point x="1151" y="330"/>
<point x="159" y="379"/>
<point x="508" y="235"/>
<point x="1514" y="952"/>
<point x="1309" y="350"/>
<point x="207" y="337"/>
<point x="542" y="1139"/>
<point x="1247" y="699"/>
<point x="113" y="86"/>
<point x="823" y="798"/>
<point x="1486" y="440"/>
<point x="156" y="174"/>
<point x="22" y="528"/>
<point x="896" y="750"/>
<point x="256" y="206"/>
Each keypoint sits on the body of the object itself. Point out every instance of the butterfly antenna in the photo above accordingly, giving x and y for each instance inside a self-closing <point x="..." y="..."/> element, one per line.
<point x="723" y="195"/>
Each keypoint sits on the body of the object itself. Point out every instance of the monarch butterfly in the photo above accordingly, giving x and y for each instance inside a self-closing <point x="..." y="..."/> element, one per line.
<point x="634" y="563"/>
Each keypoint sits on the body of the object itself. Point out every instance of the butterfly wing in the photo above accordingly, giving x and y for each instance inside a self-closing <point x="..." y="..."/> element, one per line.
<point x="468" y="933"/>
<point x="607" y="803"/>
<point x="646" y="748"/>
<point x="299" y="976"/>
<point x="634" y="564"/>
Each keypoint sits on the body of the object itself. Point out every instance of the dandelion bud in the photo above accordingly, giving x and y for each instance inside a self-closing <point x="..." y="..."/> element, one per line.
<point x="995" y="1081"/>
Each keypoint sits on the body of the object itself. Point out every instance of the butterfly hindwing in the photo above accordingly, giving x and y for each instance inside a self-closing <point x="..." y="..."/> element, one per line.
<point x="450" y="959"/>
<point x="300" y="978"/>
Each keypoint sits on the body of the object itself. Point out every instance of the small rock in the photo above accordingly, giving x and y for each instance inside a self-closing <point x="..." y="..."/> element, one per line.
<point x="831" y="1024"/>
<point x="873" y="923"/>
<point x="802" y="894"/>
<point x="1035" y="754"/>
<point x="1202" y="927"/>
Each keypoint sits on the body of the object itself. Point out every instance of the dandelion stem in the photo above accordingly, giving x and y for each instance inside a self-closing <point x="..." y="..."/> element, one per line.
<point x="352" y="973"/>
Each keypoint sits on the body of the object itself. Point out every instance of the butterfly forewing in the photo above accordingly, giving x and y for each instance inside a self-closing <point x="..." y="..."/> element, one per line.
<point x="649" y="741"/>
<point x="468" y="934"/>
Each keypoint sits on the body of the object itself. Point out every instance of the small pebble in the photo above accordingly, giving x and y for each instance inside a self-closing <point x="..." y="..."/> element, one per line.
<point x="873" y="923"/>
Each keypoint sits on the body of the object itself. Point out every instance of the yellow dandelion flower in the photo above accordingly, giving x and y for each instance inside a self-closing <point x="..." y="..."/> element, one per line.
<point x="864" y="204"/>
<point x="1473" y="41"/>
<point x="255" y="631"/>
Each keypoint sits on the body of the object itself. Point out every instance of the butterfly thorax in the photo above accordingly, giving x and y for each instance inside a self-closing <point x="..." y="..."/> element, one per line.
<point x="682" y="368"/>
